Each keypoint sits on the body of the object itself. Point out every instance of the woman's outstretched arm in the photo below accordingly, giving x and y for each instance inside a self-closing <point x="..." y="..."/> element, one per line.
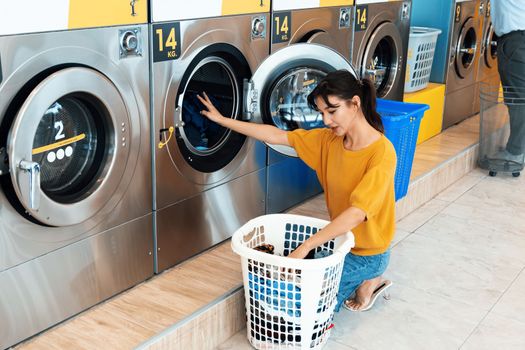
<point x="266" y="133"/>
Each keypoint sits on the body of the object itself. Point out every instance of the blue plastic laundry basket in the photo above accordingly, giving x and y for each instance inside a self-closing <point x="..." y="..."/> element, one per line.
<point x="401" y="121"/>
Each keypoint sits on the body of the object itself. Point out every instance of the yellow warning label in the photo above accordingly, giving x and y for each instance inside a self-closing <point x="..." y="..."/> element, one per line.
<point x="59" y="144"/>
<point x="328" y="3"/>
<point x="238" y="7"/>
<point x="100" y="13"/>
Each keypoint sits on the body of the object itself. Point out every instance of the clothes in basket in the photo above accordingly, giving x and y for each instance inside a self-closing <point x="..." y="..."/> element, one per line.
<point x="282" y="296"/>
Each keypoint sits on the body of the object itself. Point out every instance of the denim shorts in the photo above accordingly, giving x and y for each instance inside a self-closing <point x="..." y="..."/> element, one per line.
<point x="356" y="270"/>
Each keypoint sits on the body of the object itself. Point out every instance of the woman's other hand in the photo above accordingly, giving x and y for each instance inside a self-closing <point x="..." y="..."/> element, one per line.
<point x="211" y="113"/>
<point x="300" y="252"/>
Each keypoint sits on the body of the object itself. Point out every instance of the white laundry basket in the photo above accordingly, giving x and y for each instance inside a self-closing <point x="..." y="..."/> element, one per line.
<point x="421" y="45"/>
<point x="289" y="302"/>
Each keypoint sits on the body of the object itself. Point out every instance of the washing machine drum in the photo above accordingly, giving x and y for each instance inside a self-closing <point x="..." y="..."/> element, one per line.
<point x="66" y="171"/>
<point x="68" y="147"/>
<point x="380" y="57"/>
<point x="288" y="102"/>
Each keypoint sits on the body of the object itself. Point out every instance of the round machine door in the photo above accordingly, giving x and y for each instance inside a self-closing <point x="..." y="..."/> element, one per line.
<point x="491" y="47"/>
<point x="205" y="152"/>
<point x="278" y="91"/>
<point x="466" y="48"/>
<point x="67" y="147"/>
<point x="380" y="61"/>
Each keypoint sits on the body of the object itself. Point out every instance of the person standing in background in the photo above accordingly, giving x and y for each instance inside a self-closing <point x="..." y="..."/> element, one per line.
<point x="508" y="19"/>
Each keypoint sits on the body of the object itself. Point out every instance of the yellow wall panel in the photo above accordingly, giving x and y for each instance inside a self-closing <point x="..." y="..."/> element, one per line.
<point x="100" y="13"/>
<point x="327" y="3"/>
<point x="434" y="96"/>
<point x="236" y="7"/>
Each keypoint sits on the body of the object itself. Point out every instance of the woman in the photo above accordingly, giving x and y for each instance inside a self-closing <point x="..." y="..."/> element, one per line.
<point x="355" y="164"/>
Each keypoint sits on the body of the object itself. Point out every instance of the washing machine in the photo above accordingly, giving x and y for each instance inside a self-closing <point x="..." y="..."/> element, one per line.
<point x="290" y="180"/>
<point x="464" y="58"/>
<point x="488" y="60"/>
<point x="382" y="29"/>
<point x="208" y="180"/>
<point x="75" y="172"/>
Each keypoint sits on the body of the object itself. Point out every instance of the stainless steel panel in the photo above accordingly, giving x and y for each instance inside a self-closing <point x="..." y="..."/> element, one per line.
<point x="380" y="13"/>
<point x="488" y="65"/>
<point x="290" y="182"/>
<point x="469" y="9"/>
<point x="309" y="23"/>
<point x="27" y="56"/>
<point x="173" y="183"/>
<point x="458" y="105"/>
<point x="195" y="224"/>
<point x="460" y="91"/>
<point x="44" y="291"/>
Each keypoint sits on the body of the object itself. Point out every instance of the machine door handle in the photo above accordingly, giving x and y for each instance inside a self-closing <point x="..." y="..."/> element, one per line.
<point x="375" y="73"/>
<point x="470" y="50"/>
<point x="33" y="169"/>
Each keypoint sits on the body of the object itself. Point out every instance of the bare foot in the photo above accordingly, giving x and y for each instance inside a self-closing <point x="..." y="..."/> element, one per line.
<point x="363" y="294"/>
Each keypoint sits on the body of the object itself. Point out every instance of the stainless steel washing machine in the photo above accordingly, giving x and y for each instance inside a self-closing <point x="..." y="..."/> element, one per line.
<point x="208" y="180"/>
<point x="75" y="165"/>
<point x="381" y="37"/>
<point x="464" y="54"/>
<point x="290" y="180"/>
<point x="488" y="61"/>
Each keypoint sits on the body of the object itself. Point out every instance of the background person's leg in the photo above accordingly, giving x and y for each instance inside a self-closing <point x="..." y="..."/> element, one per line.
<point x="511" y="67"/>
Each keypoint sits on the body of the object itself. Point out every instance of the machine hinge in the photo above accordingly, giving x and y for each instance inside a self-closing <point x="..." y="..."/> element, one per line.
<point x="405" y="11"/>
<point x="250" y="99"/>
<point x="4" y="162"/>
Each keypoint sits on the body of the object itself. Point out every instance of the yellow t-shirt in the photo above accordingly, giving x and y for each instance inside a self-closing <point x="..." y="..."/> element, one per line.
<point x="362" y="179"/>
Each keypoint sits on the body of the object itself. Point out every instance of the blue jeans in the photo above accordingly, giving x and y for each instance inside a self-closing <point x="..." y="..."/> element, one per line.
<point x="357" y="269"/>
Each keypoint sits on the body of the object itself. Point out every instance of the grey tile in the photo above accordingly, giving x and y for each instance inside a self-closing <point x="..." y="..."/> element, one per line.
<point x="497" y="332"/>
<point x="451" y="271"/>
<point x="460" y="187"/>
<point x="512" y="303"/>
<point x="483" y="240"/>
<point x="421" y="215"/>
<point x="411" y="319"/>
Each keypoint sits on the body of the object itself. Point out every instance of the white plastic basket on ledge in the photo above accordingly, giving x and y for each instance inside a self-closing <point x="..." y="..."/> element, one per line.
<point x="289" y="302"/>
<point x="421" y="46"/>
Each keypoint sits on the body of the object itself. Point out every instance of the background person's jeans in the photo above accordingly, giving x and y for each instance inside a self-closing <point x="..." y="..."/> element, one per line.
<point x="511" y="67"/>
<point x="357" y="269"/>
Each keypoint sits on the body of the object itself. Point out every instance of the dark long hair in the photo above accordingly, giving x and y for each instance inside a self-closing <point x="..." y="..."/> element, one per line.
<point x="343" y="84"/>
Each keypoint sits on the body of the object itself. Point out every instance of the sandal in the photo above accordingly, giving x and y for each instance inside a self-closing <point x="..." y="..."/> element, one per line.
<point x="380" y="289"/>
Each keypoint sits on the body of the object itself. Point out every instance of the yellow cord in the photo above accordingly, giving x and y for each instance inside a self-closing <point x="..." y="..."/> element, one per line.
<point x="162" y="144"/>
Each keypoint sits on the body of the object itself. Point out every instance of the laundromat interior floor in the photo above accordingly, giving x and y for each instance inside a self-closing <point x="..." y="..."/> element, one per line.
<point x="458" y="267"/>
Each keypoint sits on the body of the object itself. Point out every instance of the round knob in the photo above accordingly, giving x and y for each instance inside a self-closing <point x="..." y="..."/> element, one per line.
<point x="130" y="42"/>
<point x="257" y="27"/>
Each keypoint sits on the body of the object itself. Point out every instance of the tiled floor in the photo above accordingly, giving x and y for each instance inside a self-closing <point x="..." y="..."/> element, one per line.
<point x="458" y="266"/>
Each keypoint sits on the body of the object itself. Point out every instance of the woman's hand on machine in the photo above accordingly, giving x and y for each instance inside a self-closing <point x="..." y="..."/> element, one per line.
<point x="211" y="113"/>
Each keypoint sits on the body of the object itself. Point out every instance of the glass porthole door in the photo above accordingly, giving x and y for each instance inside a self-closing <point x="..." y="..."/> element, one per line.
<point x="68" y="147"/>
<point x="277" y="93"/>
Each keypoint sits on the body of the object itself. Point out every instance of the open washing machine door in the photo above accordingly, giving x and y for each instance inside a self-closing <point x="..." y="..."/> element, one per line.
<point x="466" y="48"/>
<point x="278" y="90"/>
<point x="68" y="147"/>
